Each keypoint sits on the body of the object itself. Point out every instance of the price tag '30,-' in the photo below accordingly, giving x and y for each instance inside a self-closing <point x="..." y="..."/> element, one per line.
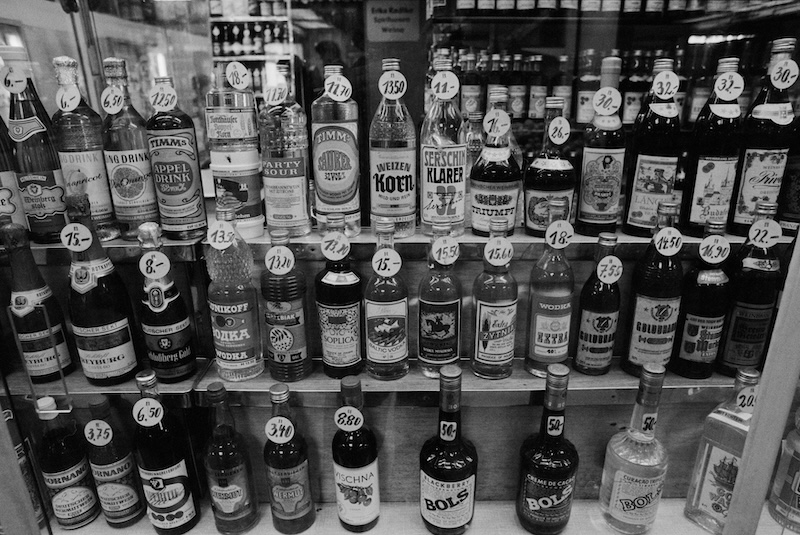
<point x="496" y="122"/>
<point x="148" y="412"/>
<point x="338" y="88"/>
<point x="276" y="91"/>
<point x="668" y="241"/>
<point x="609" y="269"/>
<point x="665" y="85"/>
<point x="14" y="80"/>
<point x="279" y="260"/>
<point x="445" y="85"/>
<point x="392" y="85"/>
<point x="220" y="235"/>
<point x="238" y="75"/>
<point x="386" y="262"/>
<point x="558" y="131"/>
<point x="445" y="250"/>
<point x="607" y="101"/>
<point x="154" y="265"/>
<point x="98" y="433"/>
<point x="715" y="249"/>
<point x="112" y="99"/>
<point x="348" y="419"/>
<point x="163" y="98"/>
<point x="783" y="74"/>
<point x="498" y="251"/>
<point x="765" y="233"/>
<point x="76" y="237"/>
<point x="68" y="97"/>
<point x="279" y="429"/>
<point x="335" y="246"/>
<point x="729" y="86"/>
<point x="559" y="234"/>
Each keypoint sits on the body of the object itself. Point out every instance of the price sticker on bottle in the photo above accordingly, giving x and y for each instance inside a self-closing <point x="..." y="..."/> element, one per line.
<point x="14" y="80"/>
<point x="765" y="233"/>
<point x="148" y="412"/>
<point x="154" y="265"/>
<point x="348" y="419"/>
<point x="76" y="237"/>
<point x="279" y="260"/>
<point x="68" y="98"/>
<point x="335" y="246"/>
<point x="558" y="131"/>
<point x="746" y="399"/>
<point x="668" y="241"/>
<point x="220" y="235"/>
<point x="238" y="75"/>
<point x="338" y="87"/>
<point x="163" y="98"/>
<point x="112" y="99"/>
<point x="715" y="249"/>
<point x="559" y="234"/>
<point x="498" y="251"/>
<point x="386" y="262"/>
<point x="276" y="91"/>
<point x="665" y="85"/>
<point x="279" y="429"/>
<point x="98" y="433"/>
<point x="783" y="74"/>
<point x="445" y="85"/>
<point x="445" y="250"/>
<point x="496" y="122"/>
<point x="392" y="85"/>
<point x="607" y="101"/>
<point x="729" y="85"/>
<point x="609" y="269"/>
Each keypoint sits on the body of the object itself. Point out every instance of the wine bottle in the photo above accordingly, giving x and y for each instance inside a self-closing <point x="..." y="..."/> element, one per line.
<point x="586" y="85"/>
<point x="633" y="88"/>
<point x="10" y="201"/>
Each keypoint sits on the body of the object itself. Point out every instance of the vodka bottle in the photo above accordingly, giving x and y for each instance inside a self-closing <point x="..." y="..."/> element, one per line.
<point x="783" y="505"/>
<point x="10" y="200"/>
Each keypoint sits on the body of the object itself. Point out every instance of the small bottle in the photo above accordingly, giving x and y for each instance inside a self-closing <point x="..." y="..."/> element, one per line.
<point x="783" y="504"/>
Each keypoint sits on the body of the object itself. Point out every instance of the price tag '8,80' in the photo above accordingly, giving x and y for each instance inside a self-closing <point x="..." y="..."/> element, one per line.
<point x="559" y="234"/>
<point x="348" y="418"/>
<point x="148" y="412"/>
<point x="392" y="85"/>
<point x="445" y="250"/>
<point x="279" y="260"/>
<point x="669" y="241"/>
<point x="220" y="235"/>
<point x="68" y="98"/>
<point x="163" y="98"/>
<point x="609" y="269"/>
<point x="76" y="237"/>
<point x="279" y="429"/>
<point x="498" y="251"/>
<point x="445" y="85"/>
<point x="386" y="262"/>
<point x="237" y="75"/>
<point x="765" y="233"/>
<point x="154" y="265"/>
<point x="715" y="249"/>
<point x="98" y="433"/>
<point x="558" y="131"/>
<point x="335" y="246"/>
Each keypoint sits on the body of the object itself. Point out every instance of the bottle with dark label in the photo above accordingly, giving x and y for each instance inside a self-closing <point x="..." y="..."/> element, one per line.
<point x="789" y="198"/>
<point x="10" y="200"/>
<point x="472" y="97"/>
<point x="562" y="85"/>
<point x="548" y="463"/>
<point x="586" y="85"/>
<point x="228" y="471"/>
<point x="448" y="465"/>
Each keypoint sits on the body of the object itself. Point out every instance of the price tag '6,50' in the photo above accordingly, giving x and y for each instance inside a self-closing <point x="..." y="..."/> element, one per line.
<point x="148" y="412"/>
<point x="112" y="99"/>
<point x="279" y="260"/>
<point x="279" y="429"/>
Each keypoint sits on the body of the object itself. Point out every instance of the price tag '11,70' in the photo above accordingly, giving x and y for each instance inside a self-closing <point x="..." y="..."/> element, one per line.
<point x="765" y="233"/>
<point x="220" y="235"/>
<point x="277" y="91"/>
<point x="279" y="260"/>
<point x="279" y="429"/>
<point x="668" y="241"/>
<point x="338" y="88"/>
<point x="445" y="250"/>
<point x="559" y="234"/>
<point x="386" y="262"/>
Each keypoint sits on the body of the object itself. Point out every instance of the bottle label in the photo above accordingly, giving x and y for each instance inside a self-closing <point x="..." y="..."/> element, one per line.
<point x="632" y="105"/>
<point x="701" y="338"/>
<point x="786" y="486"/>
<point x="443" y="177"/>
<point x="612" y="6"/>
<point x="596" y="334"/>
<point x="10" y="202"/>
<point x="387" y="331"/>
<point x="713" y="188"/>
<point x="652" y="183"/>
<point x="699" y="98"/>
<point x="547" y="502"/>
<point x="495" y="326"/>
<point x="84" y="275"/>
<point x="664" y="109"/>
<point x="590" y="5"/>
<point x="726" y="111"/>
<point x="653" y="330"/>
<point x="470" y="97"/>
<point x="169" y="497"/>
<point x="536" y="103"/>
<point x="231" y="124"/>
<point x="565" y="92"/>
<point x="285" y="191"/>
<point x="106" y="351"/>
<point x="155" y="292"/>
<point x="748" y="330"/>
<point x="132" y="188"/>
<point x="585" y="111"/>
<point x="714" y="491"/>
<point x="72" y="495"/>
<point x="38" y="352"/>
<point x="635" y="499"/>
<point x="439" y="331"/>
<point x="286" y="331"/>
<point x="235" y="334"/>
<point x="762" y="174"/>
<point x="505" y="5"/>
<point x="243" y="186"/>
<point x="336" y="172"/>
<point x="446" y="504"/>
<point x="290" y="491"/>
<point x="42" y="196"/>
<point x="117" y="489"/>
<point x="549" y="333"/>
<point x="21" y="129"/>
<point x="536" y="205"/>
<point x="176" y="172"/>
<point x="602" y="183"/>
<point x="85" y="172"/>
<point x="780" y="113"/>
<point x="230" y="496"/>
<point x="169" y="347"/>
<point x="493" y="199"/>
<point x="357" y="493"/>
<point x="516" y="96"/>
<point x="340" y="328"/>
<point x="465" y="4"/>
<point x="28" y="475"/>
<point x="392" y="181"/>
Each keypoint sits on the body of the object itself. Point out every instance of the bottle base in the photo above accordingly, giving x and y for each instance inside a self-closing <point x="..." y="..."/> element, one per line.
<point x="298" y="525"/>
<point x="239" y="375"/>
<point x="236" y="527"/>
<point x="186" y="235"/>
<point x="491" y="372"/>
<point x="591" y="371"/>
<point x="387" y="372"/>
<point x="446" y="531"/>
<point x="432" y="370"/>
<point x="291" y="373"/>
<point x="359" y="529"/>
<point x="538" y="369"/>
<point x="624" y="527"/>
<point x="630" y="368"/>
<point x="704" y="521"/>
<point x="129" y="522"/>
<point x="340" y="373"/>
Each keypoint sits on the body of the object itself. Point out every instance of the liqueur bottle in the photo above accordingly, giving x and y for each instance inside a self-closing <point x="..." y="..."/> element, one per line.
<point x="720" y="455"/>
<point x="164" y="317"/>
<point x="448" y="465"/>
<point x="110" y="453"/>
<point x="127" y="153"/>
<point x="599" y="306"/>
<point x="79" y="138"/>
<point x="29" y="290"/>
<point x="176" y="167"/>
<point x="286" y="460"/>
<point x="537" y="91"/>
<point x="586" y="85"/>
<point x="166" y="466"/>
<point x="789" y="198"/>
<point x="497" y="76"/>
<point x="228" y="470"/>
<point x="473" y="136"/>
<point x="634" y="88"/>
<point x="102" y="317"/>
<point x="783" y="505"/>
<point x="494" y="306"/>
<point x="548" y="463"/>
<point x="472" y="91"/>
<point x="636" y="462"/>
<point x="656" y="295"/>
<point x="10" y="199"/>
<point x="517" y="91"/>
<point x="386" y="309"/>
<point x="562" y="85"/>
<point x="355" y="462"/>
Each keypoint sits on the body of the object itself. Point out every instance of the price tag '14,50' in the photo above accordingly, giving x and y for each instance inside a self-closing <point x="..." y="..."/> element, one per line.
<point x="279" y="260"/>
<point x="609" y="269"/>
<point x="392" y="85"/>
<point x="386" y="262"/>
<point x="498" y="251"/>
<point x="148" y="412"/>
<point x="348" y="419"/>
<point x="765" y="233"/>
<point x="220" y="235"/>
<point x="154" y="265"/>
<point x="76" y="237"/>
<point x="559" y="234"/>
<point x="279" y="429"/>
<point x="445" y="250"/>
<point x="715" y="249"/>
<point x="668" y="241"/>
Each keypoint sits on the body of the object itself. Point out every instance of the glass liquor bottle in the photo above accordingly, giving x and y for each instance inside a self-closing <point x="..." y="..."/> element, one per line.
<point x="550" y="312"/>
<point x="633" y="88"/>
<point x="494" y="306"/>
<point x="339" y="291"/>
<point x="234" y="501"/>
<point x="448" y="465"/>
<point x="789" y="197"/>
<point x="334" y="146"/>
<point x="719" y="455"/>
<point x="165" y="460"/>
<point x="473" y="136"/>
<point x="355" y="462"/>
<point x="283" y="287"/>
<point x="393" y="155"/>
<point x="765" y="139"/>
<point x="562" y="85"/>
<point x="705" y="301"/>
<point x="102" y="317"/>
<point x="497" y="76"/>
<point x="79" y="138"/>
<point x="175" y="161"/>
<point x="110" y="453"/>
<point x="783" y="505"/>
<point x="537" y="92"/>
<point x="164" y="317"/>
<point x="599" y="306"/>
<point x="517" y="91"/>
<point x="656" y="295"/>
<point x="29" y="289"/>
<point x="636" y="462"/>
<point x="386" y="309"/>
<point x="548" y="464"/>
<point x="586" y="85"/>
<point x="472" y="97"/>
<point x="10" y="199"/>
<point x="286" y="460"/>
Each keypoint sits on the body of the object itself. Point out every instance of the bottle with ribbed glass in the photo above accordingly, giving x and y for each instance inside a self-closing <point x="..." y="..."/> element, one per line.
<point x="494" y="306"/>
<point x="783" y="504"/>
<point x="10" y="200"/>
<point x="79" y="139"/>
<point x="127" y="153"/>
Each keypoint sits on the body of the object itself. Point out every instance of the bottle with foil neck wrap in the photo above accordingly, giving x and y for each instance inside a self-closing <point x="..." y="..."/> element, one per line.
<point x="11" y="210"/>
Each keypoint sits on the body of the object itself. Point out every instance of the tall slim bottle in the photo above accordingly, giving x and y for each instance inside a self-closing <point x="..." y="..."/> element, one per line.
<point x="586" y="85"/>
<point x="10" y="199"/>
<point x="472" y="95"/>
<point x="633" y="88"/>
<point x="562" y="85"/>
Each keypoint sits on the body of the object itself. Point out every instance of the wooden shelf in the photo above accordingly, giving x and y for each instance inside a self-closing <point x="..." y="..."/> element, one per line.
<point x="254" y="57"/>
<point x="118" y="250"/>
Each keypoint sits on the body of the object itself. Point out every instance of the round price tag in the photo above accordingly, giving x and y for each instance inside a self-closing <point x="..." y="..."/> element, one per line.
<point x="665" y="85"/>
<point x="220" y="235"/>
<point x="559" y="234"/>
<point x="715" y="249"/>
<point x="335" y="246"/>
<point x="392" y="85"/>
<point x="277" y="91"/>
<point x="14" y="80"/>
<point x="279" y="429"/>
<point x="386" y="262"/>
<point x="445" y="250"/>
<point x="238" y="75"/>
<point x="607" y="101"/>
<point x="148" y="412"/>
<point x="669" y="241"/>
<point x="729" y="85"/>
<point x="163" y="97"/>
<point x="496" y="122"/>
<point x="498" y="251"/>
<point x="765" y="233"/>
<point x="154" y="265"/>
<point x="98" y="433"/>
<point x="112" y="99"/>
<point x="558" y="131"/>
<point x="279" y="260"/>
<point x="348" y="418"/>
<point x="68" y="98"/>
<point x="783" y="74"/>
<point x="76" y="237"/>
<point x="609" y="269"/>
<point x="338" y="88"/>
<point x="445" y="85"/>
<point x="746" y="399"/>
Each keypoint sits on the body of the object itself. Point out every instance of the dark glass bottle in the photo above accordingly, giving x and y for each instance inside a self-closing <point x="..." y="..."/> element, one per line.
<point x="517" y="91"/>
<point x="448" y="465"/>
<point x="633" y="88"/>
<point x="10" y="201"/>
<point x="562" y="85"/>
<point x="472" y="97"/>
<point x="789" y="198"/>
<point x="497" y="75"/>
<point x="586" y="85"/>
<point x="537" y="93"/>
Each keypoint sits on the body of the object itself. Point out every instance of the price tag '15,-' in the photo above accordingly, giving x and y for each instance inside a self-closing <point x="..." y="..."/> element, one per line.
<point x="609" y="269"/>
<point x="558" y="131"/>
<point x="335" y="246"/>
<point x="163" y="97"/>
<point x="392" y="85"/>
<point x="279" y="429"/>
<point x="386" y="262"/>
<point x="496" y="122"/>
<point x="559" y="234"/>
<point x="498" y="251"/>
<point x="279" y="260"/>
<point x="220" y="235"/>
<point x="148" y="412"/>
<point x="669" y="241"/>
<point x="607" y="101"/>
<point x="783" y="74"/>
<point x="338" y="88"/>
<point x="348" y="418"/>
<point x="98" y="433"/>
<point x="68" y="97"/>
<point x="765" y="233"/>
<point x="154" y="265"/>
<point x="715" y="249"/>
<point x="729" y="85"/>
<point x="276" y="91"/>
<point x="14" y="80"/>
<point x="76" y="237"/>
<point x="445" y="250"/>
<point x="445" y="85"/>
<point x="112" y="99"/>
<point x="665" y="85"/>
<point x="237" y="75"/>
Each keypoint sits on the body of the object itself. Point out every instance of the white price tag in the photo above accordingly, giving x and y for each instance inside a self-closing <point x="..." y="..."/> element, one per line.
<point x="238" y="75"/>
<point x="386" y="262"/>
<point x="392" y="85"/>
<point x="607" y="101"/>
<point x="447" y="430"/>
<point x="68" y="98"/>
<point x="498" y="251"/>
<point x="665" y="85"/>
<point x="445" y="85"/>
<point x="335" y="246"/>
<point x="98" y="433"/>
<point x="765" y="233"/>
<point x="715" y="249"/>
<point x="279" y="260"/>
<point x="112" y="99"/>
<point x="729" y="86"/>
<point x="496" y="122"/>
<point x="559" y="234"/>
<point x="76" y="237"/>
<point x="163" y="97"/>
<point x="14" y="80"/>
<point x="558" y="131"/>
<point x="277" y="91"/>
<point x="154" y="265"/>
<point x="783" y="74"/>
<point x="220" y="235"/>
<point x="445" y="250"/>
<point x="148" y="412"/>
<point x="279" y="430"/>
<point x="338" y="88"/>
<point x="348" y="418"/>
<point x="746" y="399"/>
<point x="609" y="269"/>
<point x="668" y="241"/>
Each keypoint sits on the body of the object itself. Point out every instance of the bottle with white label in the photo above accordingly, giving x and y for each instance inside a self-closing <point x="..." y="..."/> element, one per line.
<point x="719" y="455"/>
<point x="636" y="462"/>
<point x="355" y="462"/>
<point x="10" y="201"/>
<point x="448" y="465"/>
<point x="783" y="504"/>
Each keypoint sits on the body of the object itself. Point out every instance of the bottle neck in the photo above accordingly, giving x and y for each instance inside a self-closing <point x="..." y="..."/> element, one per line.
<point x="552" y="424"/>
<point x="603" y="251"/>
<point x="609" y="79"/>
<point x="385" y="241"/>
<point x="644" y="417"/>
<point x="282" y="409"/>
<point x="223" y="418"/>
<point x="166" y="280"/>
<point x="25" y="274"/>
<point x="450" y="415"/>
<point x="500" y="141"/>
<point x="151" y="392"/>
<point x="95" y="250"/>
<point x="548" y="147"/>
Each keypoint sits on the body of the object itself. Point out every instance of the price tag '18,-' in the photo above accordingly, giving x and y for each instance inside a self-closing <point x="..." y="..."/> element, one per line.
<point x="609" y="269"/>
<point x="276" y="91"/>
<point x="279" y="429"/>
<point x="445" y="250"/>
<point x="220" y="235"/>
<point x="386" y="262"/>
<point x="445" y="85"/>
<point x="729" y="85"/>
<point x="112" y="99"/>
<point x="335" y="246"/>
<point x="665" y="85"/>
<point x="338" y="88"/>
<point x="715" y="249"/>
<point x="237" y="75"/>
<point x="279" y="260"/>
<point x="559" y="234"/>
<point x="765" y="233"/>
<point x="392" y="85"/>
<point x="154" y="265"/>
<point x="148" y="412"/>
<point x="783" y="74"/>
<point x="14" y="80"/>
<point x="98" y="433"/>
<point x="163" y="97"/>
<point x="669" y="241"/>
<point x="68" y="97"/>
<point x="496" y="122"/>
<point x="498" y="251"/>
<point x="607" y="101"/>
<point x="348" y="418"/>
<point x="76" y="237"/>
<point x="558" y="131"/>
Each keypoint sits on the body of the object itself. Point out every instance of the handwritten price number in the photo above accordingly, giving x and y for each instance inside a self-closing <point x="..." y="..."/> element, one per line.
<point x="445" y="250"/>
<point x="746" y="399"/>
<point x="496" y="123"/>
<point x="338" y="88"/>
<point x="98" y="433"/>
<point x="558" y="131"/>
<point x="14" y="80"/>
<point x="335" y="246"/>
<point x="559" y="234"/>
<point x="715" y="249"/>
<point x="445" y="85"/>
<point x="447" y="430"/>
<point x="220" y="235"/>
<point x="649" y="422"/>
<point x="392" y="84"/>
<point x="163" y="98"/>
<point x="386" y="262"/>
<point x="238" y="75"/>
<point x="154" y="265"/>
<point x="729" y="86"/>
<point x="555" y="425"/>
<point x="76" y="237"/>
<point x="112" y="99"/>
<point x="784" y="74"/>
<point x="279" y="429"/>
<point x="669" y="241"/>
<point x="607" y="101"/>
<point x="665" y="85"/>
<point x="279" y="260"/>
<point x="609" y="269"/>
<point x="765" y="233"/>
<point x="68" y="98"/>
<point x="348" y="419"/>
<point x="276" y="92"/>
<point x="148" y="412"/>
<point x="498" y="251"/>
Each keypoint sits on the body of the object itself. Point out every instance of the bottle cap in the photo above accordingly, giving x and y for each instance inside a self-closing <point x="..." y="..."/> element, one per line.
<point x="78" y="206"/>
<point x="714" y="228"/>
<point x="653" y="374"/>
<point x="163" y="80"/>
<point x="766" y="208"/>
<point x="784" y="44"/>
<point x="442" y="64"/>
<point x="146" y="379"/>
<point x="663" y="64"/>
<point x="495" y="57"/>
<point x="450" y="377"/>
<point x="46" y="403"/>
<point x="99" y="406"/>
<point x="557" y="376"/>
<point x="469" y="57"/>
<point x="279" y="393"/>
<point x="332" y="70"/>
<point x="607" y="238"/>
<point x="554" y="103"/>
<point x="441" y="227"/>
<point x="563" y="59"/>
<point x="498" y="94"/>
<point x="475" y="116"/>
<point x="216" y="392"/>
<point x="498" y="225"/>
<point x="14" y="236"/>
<point x="336" y="221"/>
<point x="727" y="65"/>
<point x="390" y="64"/>
<point x="278" y="237"/>
<point x="115" y="68"/>
<point x="150" y="235"/>
<point x="283" y="68"/>
<point x="66" y="70"/>
<point x="667" y="208"/>
<point x="611" y="65"/>
<point x="226" y="209"/>
<point x="351" y="387"/>
<point x="384" y="225"/>
<point x="748" y="376"/>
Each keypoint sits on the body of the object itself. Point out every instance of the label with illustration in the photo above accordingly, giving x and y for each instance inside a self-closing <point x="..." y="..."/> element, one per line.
<point x="387" y="331"/>
<point x="748" y="330"/>
<point x="701" y="338"/>
<point x="652" y="184"/>
<point x="169" y="496"/>
<point x="392" y="179"/>
<point x="240" y="188"/>
<point x="715" y="489"/>
<point x="230" y="493"/>
<point x="358" y="495"/>
<point x="106" y="351"/>
<point x="653" y="330"/>
<point x="118" y="489"/>
<point x="10" y="201"/>
<point x="549" y="327"/>
<point x="285" y="323"/>
<point x="536" y="205"/>
<point x="596" y="334"/>
<point x="713" y="188"/>
<point x="493" y="199"/>
<point x="446" y="504"/>
<point x="439" y="331"/>
<point x="235" y="334"/>
<point x="546" y="501"/>
<point x="762" y="175"/>
<point x="601" y="183"/>
<point x="84" y="275"/>
<point x="340" y="332"/>
<point x="20" y="130"/>
<point x="42" y="194"/>
<point x="336" y="167"/>
<point x="495" y="327"/>
<point x="290" y="491"/>
<point x="443" y="176"/>
<point x="132" y="188"/>
<point x="85" y="172"/>
<point x="72" y="494"/>
<point x="286" y="190"/>
<point x="635" y="499"/>
<point x="168" y="346"/>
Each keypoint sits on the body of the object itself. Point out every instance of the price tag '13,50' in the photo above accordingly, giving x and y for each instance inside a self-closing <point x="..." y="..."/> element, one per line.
<point x="668" y="241"/>
<point x="559" y="234"/>
<point x="392" y="85"/>
<point x="220" y="235"/>
<point x="279" y="429"/>
<point x="765" y="233"/>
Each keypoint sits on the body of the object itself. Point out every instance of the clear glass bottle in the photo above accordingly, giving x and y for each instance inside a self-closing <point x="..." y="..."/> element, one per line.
<point x="783" y="504"/>
<point x="473" y="136"/>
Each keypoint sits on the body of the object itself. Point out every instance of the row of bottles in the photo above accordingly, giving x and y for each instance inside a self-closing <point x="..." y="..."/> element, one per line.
<point x="246" y="8"/>
<point x="247" y="38"/>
